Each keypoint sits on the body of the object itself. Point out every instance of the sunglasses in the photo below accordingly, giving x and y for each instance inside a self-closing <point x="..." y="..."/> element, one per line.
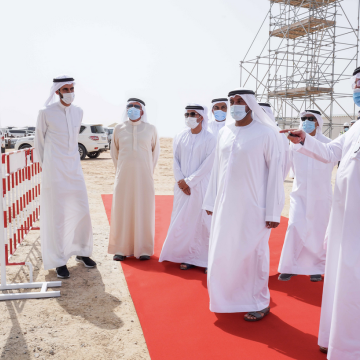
<point x="357" y="83"/>
<point x="310" y="118"/>
<point x="133" y="105"/>
<point x="192" y="114"/>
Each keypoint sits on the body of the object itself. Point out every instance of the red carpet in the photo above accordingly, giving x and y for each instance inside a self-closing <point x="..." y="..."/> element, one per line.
<point x="173" y="308"/>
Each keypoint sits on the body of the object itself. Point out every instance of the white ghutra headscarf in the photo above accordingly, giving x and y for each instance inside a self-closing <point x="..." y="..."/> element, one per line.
<point x="143" y="108"/>
<point x="317" y="115"/>
<point x="218" y="101"/>
<point x="58" y="83"/>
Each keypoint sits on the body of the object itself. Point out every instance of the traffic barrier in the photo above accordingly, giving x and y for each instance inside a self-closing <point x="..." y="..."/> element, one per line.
<point x="21" y="177"/>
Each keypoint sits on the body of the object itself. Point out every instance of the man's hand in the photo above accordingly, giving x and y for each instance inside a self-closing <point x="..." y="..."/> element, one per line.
<point x="187" y="191"/>
<point x="182" y="184"/>
<point x="209" y="212"/>
<point x="298" y="135"/>
<point x="271" y="224"/>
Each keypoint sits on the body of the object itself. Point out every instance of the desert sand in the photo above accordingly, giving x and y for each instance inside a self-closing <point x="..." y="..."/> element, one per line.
<point x="95" y="317"/>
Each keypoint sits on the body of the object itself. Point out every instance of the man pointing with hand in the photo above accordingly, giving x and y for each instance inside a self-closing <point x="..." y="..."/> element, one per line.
<point x="340" y="311"/>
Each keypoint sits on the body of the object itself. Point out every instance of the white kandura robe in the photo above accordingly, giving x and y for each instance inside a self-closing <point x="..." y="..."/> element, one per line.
<point x="215" y="126"/>
<point x="135" y="151"/>
<point x="286" y="164"/>
<point x="187" y="240"/>
<point x="245" y="190"/>
<point x="340" y="309"/>
<point x="304" y="252"/>
<point x="65" y="216"/>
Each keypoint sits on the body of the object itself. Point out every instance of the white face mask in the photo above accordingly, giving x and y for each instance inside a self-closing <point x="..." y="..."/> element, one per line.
<point x="191" y="122"/>
<point x="68" y="98"/>
<point x="238" y="112"/>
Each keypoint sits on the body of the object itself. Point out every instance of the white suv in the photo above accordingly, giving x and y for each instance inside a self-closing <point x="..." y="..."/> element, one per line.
<point x="92" y="141"/>
<point x="25" y="142"/>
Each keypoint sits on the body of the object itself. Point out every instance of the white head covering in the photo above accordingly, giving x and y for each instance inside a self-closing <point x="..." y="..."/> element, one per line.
<point x="143" y="107"/>
<point x="267" y="108"/>
<point x="59" y="82"/>
<point x="250" y="99"/>
<point x="315" y="113"/>
<point x="218" y="101"/>
<point x="202" y="110"/>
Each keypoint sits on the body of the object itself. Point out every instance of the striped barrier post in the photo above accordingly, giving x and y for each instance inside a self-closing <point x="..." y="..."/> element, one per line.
<point x="20" y="188"/>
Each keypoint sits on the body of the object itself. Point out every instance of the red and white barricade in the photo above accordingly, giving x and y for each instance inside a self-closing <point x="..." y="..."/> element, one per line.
<point x="21" y="175"/>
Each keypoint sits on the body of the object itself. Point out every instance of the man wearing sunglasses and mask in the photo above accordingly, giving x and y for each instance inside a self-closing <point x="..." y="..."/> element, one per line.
<point x="245" y="197"/>
<point x="135" y="151"/>
<point x="218" y="114"/>
<point x="340" y="311"/>
<point x="187" y="241"/>
<point x="304" y="252"/>
<point x="65" y="216"/>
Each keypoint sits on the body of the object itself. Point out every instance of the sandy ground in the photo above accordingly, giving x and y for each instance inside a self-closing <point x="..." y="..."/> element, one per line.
<point x="95" y="317"/>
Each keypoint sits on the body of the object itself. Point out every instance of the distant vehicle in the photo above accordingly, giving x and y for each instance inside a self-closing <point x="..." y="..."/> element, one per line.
<point x="10" y="142"/>
<point x="2" y="142"/>
<point x="25" y="142"/>
<point x="93" y="140"/>
<point x="109" y="131"/>
<point x="17" y="132"/>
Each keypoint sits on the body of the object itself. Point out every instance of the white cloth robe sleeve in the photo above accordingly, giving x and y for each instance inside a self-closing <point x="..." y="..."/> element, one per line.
<point x="178" y="175"/>
<point x="211" y="192"/>
<point x="114" y="151"/>
<point x="155" y="149"/>
<point x="204" y="168"/>
<point x="286" y="157"/>
<point x="40" y="131"/>
<point x="275" y="197"/>
<point x="326" y="153"/>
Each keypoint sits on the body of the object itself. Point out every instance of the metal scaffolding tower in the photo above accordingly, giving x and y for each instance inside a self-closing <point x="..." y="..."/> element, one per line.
<point x="312" y="47"/>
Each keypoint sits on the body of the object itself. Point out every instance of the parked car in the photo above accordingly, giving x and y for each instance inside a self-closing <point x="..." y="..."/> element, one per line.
<point x="2" y="141"/>
<point x="10" y="142"/>
<point x="25" y="142"/>
<point x="93" y="140"/>
<point x="109" y="131"/>
<point x="17" y="132"/>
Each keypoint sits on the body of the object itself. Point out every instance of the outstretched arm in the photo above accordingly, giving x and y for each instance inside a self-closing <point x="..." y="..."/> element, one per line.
<point x="325" y="152"/>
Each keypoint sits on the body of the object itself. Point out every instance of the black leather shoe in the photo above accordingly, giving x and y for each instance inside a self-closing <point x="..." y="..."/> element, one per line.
<point x="286" y="277"/>
<point x="62" y="272"/>
<point x="119" y="257"/>
<point x="89" y="263"/>
<point x="144" y="257"/>
<point x="315" y="278"/>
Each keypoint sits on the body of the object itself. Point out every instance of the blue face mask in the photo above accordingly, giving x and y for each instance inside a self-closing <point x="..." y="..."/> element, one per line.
<point x="219" y="115"/>
<point x="356" y="97"/>
<point x="308" y="126"/>
<point x="133" y="113"/>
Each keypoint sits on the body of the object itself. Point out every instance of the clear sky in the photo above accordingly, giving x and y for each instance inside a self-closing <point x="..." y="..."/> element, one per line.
<point x="166" y="52"/>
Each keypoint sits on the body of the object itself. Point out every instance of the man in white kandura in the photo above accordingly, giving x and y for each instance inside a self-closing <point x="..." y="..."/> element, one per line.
<point x="304" y="252"/>
<point x="65" y="216"/>
<point x="286" y="163"/>
<point x="246" y="197"/>
<point x="340" y="310"/>
<point x="218" y="114"/>
<point x="135" y="151"/>
<point x="187" y="241"/>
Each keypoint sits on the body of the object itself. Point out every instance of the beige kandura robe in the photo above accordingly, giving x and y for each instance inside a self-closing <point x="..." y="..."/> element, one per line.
<point x="135" y="151"/>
